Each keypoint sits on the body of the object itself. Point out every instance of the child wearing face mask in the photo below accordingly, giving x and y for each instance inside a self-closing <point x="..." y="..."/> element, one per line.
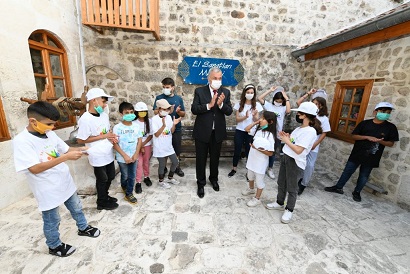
<point x="297" y="146"/>
<point x="280" y="106"/>
<point x="163" y="126"/>
<point x="94" y="130"/>
<point x="127" y="149"/>
<point x="247" y="111"/>
<point x="264" y="131"/>
<point x="144" y="123"/>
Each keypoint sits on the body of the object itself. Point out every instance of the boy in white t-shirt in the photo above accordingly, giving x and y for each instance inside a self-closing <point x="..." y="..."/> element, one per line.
<point x="163" y="127"/>
<point x="94" y="132"/>
<point x="40" y="154"/>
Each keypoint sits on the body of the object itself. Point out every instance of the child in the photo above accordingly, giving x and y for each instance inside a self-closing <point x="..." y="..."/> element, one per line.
<point x="41" y="155"/>
<point x="127" y="149"/>
<point x="163" y="127"/>
<point x="293" y="162"/>
<point x="258" y="160"/>
<point x="145" y="126"/>
<point x="247" y="111"/>
<point x="280" y="106"/>
<point x="371" y="136"/>
<point x="94" y="130"/>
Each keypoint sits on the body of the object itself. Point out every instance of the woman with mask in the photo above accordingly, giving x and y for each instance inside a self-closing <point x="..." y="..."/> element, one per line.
<point x="247" y="112"/>
<point x="280" y="106"/>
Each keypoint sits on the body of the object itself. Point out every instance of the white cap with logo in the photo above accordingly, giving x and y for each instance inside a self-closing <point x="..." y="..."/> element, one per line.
<point x="308" y="108"/>
<point x="383" y="105"/>
<point x="96" y="93"/>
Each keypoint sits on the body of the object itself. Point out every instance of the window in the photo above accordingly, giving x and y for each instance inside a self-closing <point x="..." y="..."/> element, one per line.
<point x="4" y="131"/>
<point x="50" y="66"/>
<point x="349" y="107"/>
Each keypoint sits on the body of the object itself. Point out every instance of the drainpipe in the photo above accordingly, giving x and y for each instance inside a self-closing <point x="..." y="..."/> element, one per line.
<point x="80" y="33"/>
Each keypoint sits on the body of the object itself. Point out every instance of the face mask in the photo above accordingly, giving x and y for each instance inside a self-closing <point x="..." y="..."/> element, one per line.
<point x="264" y="127"/>
<point x="216" y="84"/>
<point x="249" y="96"/>
<point x="142" y="114"/>
<point x="382" y="116"/>
<point x="129" y="117"/>
<point x="166" y="91"/>
<point x="298" y="119"/>
<point x="277" y="104"/>
<point x="99" y="109"/>
<point x="163" y="113"/>
<point x="41" y="128"/>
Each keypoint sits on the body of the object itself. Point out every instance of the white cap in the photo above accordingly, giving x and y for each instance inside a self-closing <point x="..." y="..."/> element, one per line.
<point x="319" y="93"/>
<point x="96" y="93"/>
<point x="277" y="89"/>
<point x="384" y="105"/>
<point x="308" y="108"/>
<point x="141" y="106"/>
<point x="162" y="103"/>
<point x="262" y="143"/>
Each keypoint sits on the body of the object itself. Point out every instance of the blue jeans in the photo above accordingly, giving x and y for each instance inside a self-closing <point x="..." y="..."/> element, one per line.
<point x="241" y="138"/>
<point x="278" y="150"/>
<point x="350" y="168"/>
<point x="128" y="173"/>
<point x="310" y="167"/>
<point x="51" y="220"/>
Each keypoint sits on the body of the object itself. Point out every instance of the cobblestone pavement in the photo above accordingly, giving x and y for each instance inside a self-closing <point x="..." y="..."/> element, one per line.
<point x="173" y="231"/>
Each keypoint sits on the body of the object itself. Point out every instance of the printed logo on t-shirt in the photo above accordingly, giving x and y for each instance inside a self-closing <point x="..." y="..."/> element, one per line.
<point x="48" y="153"/>
<point x="103" y="131"/>
<point x="166" y="132"/>
<point x="277" y="114"/>
<point x="292" y="140"/>
<point x="143" y="133"/>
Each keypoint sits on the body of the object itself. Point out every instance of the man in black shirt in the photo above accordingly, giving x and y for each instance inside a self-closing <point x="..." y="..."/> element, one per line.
<point x="371" y="137"/>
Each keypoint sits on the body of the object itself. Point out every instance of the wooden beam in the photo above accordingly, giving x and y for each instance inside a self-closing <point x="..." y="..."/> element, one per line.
<point x="383" y="35"/>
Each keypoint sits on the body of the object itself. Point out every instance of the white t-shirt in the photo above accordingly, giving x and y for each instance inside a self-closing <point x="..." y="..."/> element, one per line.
<point x="90" y="125"/>
<point x="143" y="130"/>
<point x="325" y="128"/>
<point x="304" y="137"/>
<point x="127" y="139"/>
<point x="257" y="161"/>
<point x="279" y="111"/>
<point x="54" y="186"/>
<point x="163" y="143"/>
<point x="242" y="125"/>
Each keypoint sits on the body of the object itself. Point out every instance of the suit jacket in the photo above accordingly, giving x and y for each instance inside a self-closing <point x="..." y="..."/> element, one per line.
<point x="206" y="118"/>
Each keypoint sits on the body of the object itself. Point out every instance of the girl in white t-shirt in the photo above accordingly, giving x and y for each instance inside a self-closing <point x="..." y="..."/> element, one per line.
<point x="144" y="123"/>
<point x="258" y="159"/>
<point x="297" y="145"/>
<point x="280" y="106"/>
<point x="247" y="111"/>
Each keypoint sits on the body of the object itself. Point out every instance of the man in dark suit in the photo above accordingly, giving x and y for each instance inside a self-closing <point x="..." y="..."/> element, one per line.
<point x="211" y="104"/>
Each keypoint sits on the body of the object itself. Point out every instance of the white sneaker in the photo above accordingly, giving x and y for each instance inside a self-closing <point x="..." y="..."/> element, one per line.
<point x="173" y="181"/>
<point x="253" y="202"/>
<point x="286" y="217"/>
<point x="274" y="205"/>
<point x="248" y="191"/>
<point x="164" y="185"/>
<point x="270" y="173"/>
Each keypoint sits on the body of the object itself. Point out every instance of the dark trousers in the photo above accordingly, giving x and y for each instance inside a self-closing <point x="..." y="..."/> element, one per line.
<point x="289" y="176"/>
<point x="241" y="138"/>
<point x="202" y="149"/>
<point x="350" y="168"/>
<point x="103" y="177"/>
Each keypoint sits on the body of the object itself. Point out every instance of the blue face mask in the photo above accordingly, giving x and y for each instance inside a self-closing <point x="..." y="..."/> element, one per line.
<point x="264" y="127"/>
<point x="129" y="117"/>
<point x="382" y="116"/>
<point x="99" y="109"/>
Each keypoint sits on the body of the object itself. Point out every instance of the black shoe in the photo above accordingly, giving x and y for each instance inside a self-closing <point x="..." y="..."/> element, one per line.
<point x="138" y="188"/>
<point x="107" y="206"/>
<point x="356" y="196"/>
<point x="301" y="189"/>
<point x="230" y="174"/>
<point x="201" y="192"/>
<point x="112" y="199"/>
<point x="334" y="189"/>
<point x="215" y="186"/>
<point x="63" y="250"/>
<point x="179" y="172"/>
<point x="90" y="231"/>
<point x="147" y="181"/>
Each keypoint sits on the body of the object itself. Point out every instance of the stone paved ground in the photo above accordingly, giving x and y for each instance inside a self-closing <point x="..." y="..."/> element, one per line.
<point x="173" y="231"/>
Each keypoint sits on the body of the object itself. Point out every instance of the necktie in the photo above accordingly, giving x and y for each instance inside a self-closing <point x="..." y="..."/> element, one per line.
<point x="215" y="91"/>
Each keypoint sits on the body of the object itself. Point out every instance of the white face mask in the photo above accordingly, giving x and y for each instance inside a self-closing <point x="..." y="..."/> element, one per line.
<point x="277" y="104"/>
<point x="166" y="91"/>
<point x="249" y="96"/>
<point x="163" y="113"/>
<point x="216" y="84"/>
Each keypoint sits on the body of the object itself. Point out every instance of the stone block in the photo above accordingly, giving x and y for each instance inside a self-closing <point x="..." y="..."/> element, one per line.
<point x="104" y="43"/>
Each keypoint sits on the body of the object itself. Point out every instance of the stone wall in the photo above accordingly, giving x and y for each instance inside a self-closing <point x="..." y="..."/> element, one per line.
<point x="388" y="64"/>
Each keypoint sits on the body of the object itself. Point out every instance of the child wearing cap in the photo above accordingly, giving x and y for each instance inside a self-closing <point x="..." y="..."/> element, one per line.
<point x="94" y="132"/>
<point x="297" y="145"/>
<point x="258" y="159"/>
<point x="163" y="126"/>
<point x="144" y="123"/>
<point x="371" y="137"/>
<point x="280" y="106"/>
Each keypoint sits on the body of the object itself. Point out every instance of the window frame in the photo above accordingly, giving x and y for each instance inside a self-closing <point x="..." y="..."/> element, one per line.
<point x="335" y="114"/>
<point x="4" y="130"/>
<point x="47" y="50"/>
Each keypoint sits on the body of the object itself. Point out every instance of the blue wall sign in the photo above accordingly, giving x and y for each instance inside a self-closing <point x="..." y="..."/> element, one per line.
<point x="194" y="70"/>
